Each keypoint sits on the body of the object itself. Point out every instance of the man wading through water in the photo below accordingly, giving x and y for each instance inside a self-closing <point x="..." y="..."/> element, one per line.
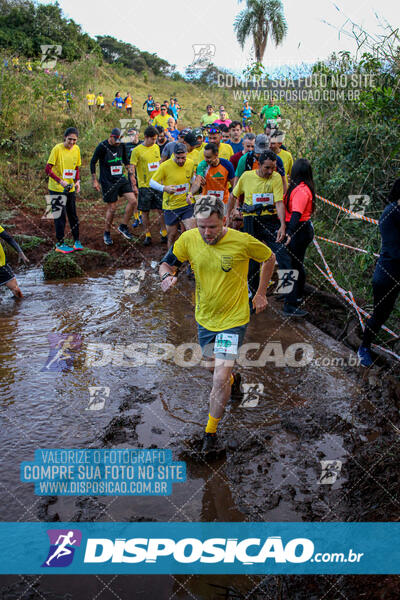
<point x="219" y="257"/>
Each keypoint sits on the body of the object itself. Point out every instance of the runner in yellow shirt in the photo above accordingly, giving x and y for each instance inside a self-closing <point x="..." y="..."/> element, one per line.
<point x="90" y="97"/>
<point x="263" y="211"/>
<point x="173" y="178"/>
<point x="63" y="170"/>
<point x="215" y="137"/>
<point x="145" y="160"/>
<point x="220" y="260"/>
<point x="162" y="118"/>
<point x="276" y="142"/>
<point x="100" y="101"/>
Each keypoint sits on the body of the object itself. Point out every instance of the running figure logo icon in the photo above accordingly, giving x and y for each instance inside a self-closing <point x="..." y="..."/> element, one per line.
<point x="203" y="55"/>
<point x="287" y="279"/>
<point x="62" y="547"/>
<point x="50" y="53"/>
<point x="62" y="350"/>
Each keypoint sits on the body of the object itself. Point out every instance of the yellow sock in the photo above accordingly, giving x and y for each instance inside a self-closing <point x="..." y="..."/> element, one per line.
<point x="232" y="379"/>
<point x="212" y="424"/>
<point x="136" y="215"/>
<point x="148" y="234"/>
<point x="163" y="232"/>
<point x="140" y="213"/>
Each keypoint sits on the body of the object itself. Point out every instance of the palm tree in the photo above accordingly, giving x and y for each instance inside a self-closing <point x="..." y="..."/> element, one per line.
<point x="261" y="19"/>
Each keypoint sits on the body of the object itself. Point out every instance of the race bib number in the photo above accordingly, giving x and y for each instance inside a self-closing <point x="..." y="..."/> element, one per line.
<point x="217" y="193"/>
<point x="153" y="166"/>
<point x="116" y="170"/>
<point x="69" y="173"/>
<point x="226" y="343"/>
<point x="181" y="189"/>
<point x="267" y="199"/>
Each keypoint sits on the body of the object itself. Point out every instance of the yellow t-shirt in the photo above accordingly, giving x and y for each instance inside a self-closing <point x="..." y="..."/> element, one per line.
<point x="258" y="189"/>
<point x="287" y="160"/>
<point x="146" y="160"/>
<point x="161" y="120"/>
<point x="169" y="173"/>
<point x="224" y="151"/>
<point x="2" y="255"/>
<point x="100" y="100"/>
<point x="65" y="162"/>
<point x="222" y="298"/>
<point x="90" y="99"/>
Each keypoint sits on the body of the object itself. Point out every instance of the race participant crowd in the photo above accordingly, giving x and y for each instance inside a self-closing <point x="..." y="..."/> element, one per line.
<point x="230" y="203"/>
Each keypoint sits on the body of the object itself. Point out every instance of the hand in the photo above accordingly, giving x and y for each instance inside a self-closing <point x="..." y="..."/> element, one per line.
<point x="189" y="198"/>
<point x="78" y="187"/>
<point x="169" y="189"/>
<point x="260" y="303"/>
<point x="64" y="183"/>
<point x="280" y="235"/>
<point x="21" y="256"/>
<point x="168" y="283"/>
<point x="288" y="239"/>
<point x="96" y="185"/>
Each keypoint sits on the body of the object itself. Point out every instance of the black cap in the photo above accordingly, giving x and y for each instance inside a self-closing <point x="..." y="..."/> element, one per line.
<point x="116" y="132"/>
<point x="180" y="148"/>
<point x="191" y="139"/>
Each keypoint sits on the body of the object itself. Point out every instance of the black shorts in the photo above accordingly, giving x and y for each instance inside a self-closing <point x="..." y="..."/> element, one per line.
<point x="111" y="191"/>
<point x="149" y="199"/>
<point x="6" y="274"/>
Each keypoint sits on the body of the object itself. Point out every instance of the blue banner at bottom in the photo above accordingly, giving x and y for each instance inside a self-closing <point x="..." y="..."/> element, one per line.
<point x="199" y="548"/>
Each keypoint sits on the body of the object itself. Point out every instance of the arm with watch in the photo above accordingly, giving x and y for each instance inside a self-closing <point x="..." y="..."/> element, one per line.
<point x="168" y="270"/>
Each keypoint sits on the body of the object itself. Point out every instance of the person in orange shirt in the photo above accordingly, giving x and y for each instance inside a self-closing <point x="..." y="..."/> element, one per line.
<point x="214" y="175"/>
<point x="128" y="103"/>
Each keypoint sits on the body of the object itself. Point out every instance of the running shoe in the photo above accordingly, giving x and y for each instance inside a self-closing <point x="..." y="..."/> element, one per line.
<point x="236" y="391"/>
<point x="107" y="238"/>
<point x="364" y="354"/>
<point x="210" y="443"/>
<point x="294" y="311"/>
<point x="137" y="222"/>
<point x="78" y="245"/>
<point x="125" y="232"/>
<point x="147" y="241"/>
<point x="63" y="248"/>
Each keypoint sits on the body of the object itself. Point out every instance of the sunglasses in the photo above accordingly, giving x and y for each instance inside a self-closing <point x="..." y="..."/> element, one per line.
<point x="213" y="130"/>
<point x="72" y="139"/>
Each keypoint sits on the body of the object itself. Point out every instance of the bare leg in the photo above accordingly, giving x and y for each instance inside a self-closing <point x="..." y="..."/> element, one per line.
<point x="146" y="220"/>
<point x="110" y="212"/>
<point x="13" y="286"/>
<point x="130" y="207"/>
<point x="221" y="389"/>
<point x="172" y="232"/>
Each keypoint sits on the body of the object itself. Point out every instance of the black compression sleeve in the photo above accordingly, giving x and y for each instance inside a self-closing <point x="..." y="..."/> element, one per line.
<point x="294" y="221"/>
<point x="10" y="241"/>
<point x="171" y="259"/>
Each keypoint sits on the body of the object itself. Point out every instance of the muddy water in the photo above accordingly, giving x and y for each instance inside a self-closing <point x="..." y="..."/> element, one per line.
<point x="166" y="404"/>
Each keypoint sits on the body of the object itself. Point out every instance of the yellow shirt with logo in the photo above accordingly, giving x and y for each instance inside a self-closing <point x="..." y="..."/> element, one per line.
<point x="287" y="160"/>
<point x="2" y="255"/>
<point x="224" y="151"/>
<point x="90" y="99"/>
<point x="146" y="160"/>
<point x="64" y="161"/>
<point x="251" y="185"/>
<point x="161" y="120"/>
<point x="222" y="299"/>
<point x="169" y="173"/>
<point x="100" y="100"/>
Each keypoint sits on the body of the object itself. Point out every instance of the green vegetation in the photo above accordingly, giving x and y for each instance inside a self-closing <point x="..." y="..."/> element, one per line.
<point x="66" y="266"/>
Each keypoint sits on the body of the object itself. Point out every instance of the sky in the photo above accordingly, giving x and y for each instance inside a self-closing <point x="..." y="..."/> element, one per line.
<point x="170" y="29"/>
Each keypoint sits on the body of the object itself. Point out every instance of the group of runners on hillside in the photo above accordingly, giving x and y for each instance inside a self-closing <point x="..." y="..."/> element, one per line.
<point x="230" y="203"/>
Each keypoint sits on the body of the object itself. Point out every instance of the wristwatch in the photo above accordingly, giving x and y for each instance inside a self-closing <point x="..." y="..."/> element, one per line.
<point x="165" y="276"/>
